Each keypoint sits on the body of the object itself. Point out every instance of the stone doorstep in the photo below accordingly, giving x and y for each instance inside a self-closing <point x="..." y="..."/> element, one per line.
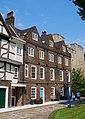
<point x="30" y="106"/>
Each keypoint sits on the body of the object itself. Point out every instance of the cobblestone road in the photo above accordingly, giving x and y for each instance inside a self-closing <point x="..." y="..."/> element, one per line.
<point x="41" y="112"/>
<point x="32" y="113"/>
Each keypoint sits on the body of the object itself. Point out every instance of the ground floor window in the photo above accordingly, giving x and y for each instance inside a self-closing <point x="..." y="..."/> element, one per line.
<point x="52" y="91"/>
<point x="62" y="91"/>
<point x="33" y="93"/>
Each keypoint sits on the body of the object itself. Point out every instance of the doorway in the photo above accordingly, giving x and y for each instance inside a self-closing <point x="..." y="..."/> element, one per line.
<point x="42" y="93"/>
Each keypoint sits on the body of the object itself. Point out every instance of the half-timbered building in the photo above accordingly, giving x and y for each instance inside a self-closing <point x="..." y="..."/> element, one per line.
<point x="11" y="60"/>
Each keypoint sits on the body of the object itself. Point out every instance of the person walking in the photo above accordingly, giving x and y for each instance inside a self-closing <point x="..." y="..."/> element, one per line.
<point x="73" y="96"/>
<point x="78" y="96"/>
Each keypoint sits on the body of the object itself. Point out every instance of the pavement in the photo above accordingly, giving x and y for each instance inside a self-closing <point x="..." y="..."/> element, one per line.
<point x="31" y="106"/>
<point x="40" y="111"/>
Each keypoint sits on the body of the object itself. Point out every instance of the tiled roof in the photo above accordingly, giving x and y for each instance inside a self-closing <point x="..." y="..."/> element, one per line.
<point x="17" y="32"/>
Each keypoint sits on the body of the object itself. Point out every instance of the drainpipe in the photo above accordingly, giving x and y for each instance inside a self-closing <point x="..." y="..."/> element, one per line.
<point x="68" y="91"/>
<point x="23" y="78"/>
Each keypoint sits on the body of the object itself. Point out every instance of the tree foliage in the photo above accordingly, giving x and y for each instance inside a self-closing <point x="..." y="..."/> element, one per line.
<point x="78" y="81"/>
<point x="81" y="7"/>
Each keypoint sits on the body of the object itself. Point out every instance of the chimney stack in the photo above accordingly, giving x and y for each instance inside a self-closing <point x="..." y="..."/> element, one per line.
<point x="10" y="19"/>
<point x="44" y="33"/>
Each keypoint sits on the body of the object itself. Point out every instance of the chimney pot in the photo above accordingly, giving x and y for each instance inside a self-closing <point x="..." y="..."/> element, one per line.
<point x="44" y="33"/>
<point x="10" y="14"/>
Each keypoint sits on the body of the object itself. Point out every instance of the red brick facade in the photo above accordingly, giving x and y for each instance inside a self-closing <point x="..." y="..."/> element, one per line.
<point x="47" y="73"/>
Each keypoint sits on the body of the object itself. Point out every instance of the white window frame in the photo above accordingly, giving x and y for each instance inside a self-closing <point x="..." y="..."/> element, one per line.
<point x="34" y="36"/>
<point x="35" y="93"/>
<point x="63" y="48"/>
<point x="12" y="68"/>
<point x="16" y="73"/>
<point x="12" y="47"/>
<point x="26" y="70"/>
<point x="61" y="74"/>
<point x="8" y="68"/>
<point x="62" y="91"/>
<point x="53" y="77"/>
<point x="52" y="91"/>
<point x="43" y="73"/>
<point x="41" y="54"/>
<point x="68" y="73"/>
<point x="30" y="51"/>
<point x="51" y="57"/>
<point x="66" y="61"/>
<point x="59" y="60"/>
<point x="35" y="72"/>
<point x="19" y="50"/>
<point x="51" y="43"/>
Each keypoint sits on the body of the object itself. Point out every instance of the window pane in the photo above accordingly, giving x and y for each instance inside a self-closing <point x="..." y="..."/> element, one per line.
<point x="60" y="75"/>
<point x="41" y="73"/>
<point x="52" y="91"/>
<point x="16" y="72"/>
<point x="52" y="74"/>
<point x="59" y="60"/>
<point x="31" y="51"/>
<point x="33" y="92"/>
<point x="33" y="72"/>
<point x="41" y="54"/>
<point x="26" y="70"/>
<point x="51" y="43"/>
<point x="34" y="36"/>
<point x="51" y="57"/>
<point x="66" y="61"/>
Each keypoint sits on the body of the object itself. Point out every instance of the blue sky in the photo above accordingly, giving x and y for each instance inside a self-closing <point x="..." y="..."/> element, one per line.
<point x="54" y="16"/>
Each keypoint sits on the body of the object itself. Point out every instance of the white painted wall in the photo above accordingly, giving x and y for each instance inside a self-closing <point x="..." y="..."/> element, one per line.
<point x="1" y="66"/>
<point x="4" y="31"/>
<point x="9" y="76"/>
<point x="12" y="49"/>
<point x="12" y="56"/>
<point x="14" y="81"/>
<point x="4" y="43"/>
<point x="4" y="51"/>
<point x="1" y="75"/>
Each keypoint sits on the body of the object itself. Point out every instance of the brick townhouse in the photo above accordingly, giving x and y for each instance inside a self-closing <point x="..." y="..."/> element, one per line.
<point x="46" y="61"/>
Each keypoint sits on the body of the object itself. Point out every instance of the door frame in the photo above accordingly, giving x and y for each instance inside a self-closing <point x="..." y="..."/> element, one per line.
<point x="6" y="97"/>
<point x="43" y="93"/>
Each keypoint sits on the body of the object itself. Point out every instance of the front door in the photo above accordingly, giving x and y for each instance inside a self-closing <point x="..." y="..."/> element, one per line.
<point x="2" y="97"/>
<point x="13" y="96"/>
<point x="42" y="93"/>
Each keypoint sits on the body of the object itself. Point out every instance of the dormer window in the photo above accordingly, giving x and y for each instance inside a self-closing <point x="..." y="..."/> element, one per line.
<point x="51" y="44"/>
<point x="34" y="36"/>
<point x="63" y="48"/>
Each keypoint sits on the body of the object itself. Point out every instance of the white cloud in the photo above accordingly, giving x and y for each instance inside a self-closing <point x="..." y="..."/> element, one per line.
<point x="19" y="24"/>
